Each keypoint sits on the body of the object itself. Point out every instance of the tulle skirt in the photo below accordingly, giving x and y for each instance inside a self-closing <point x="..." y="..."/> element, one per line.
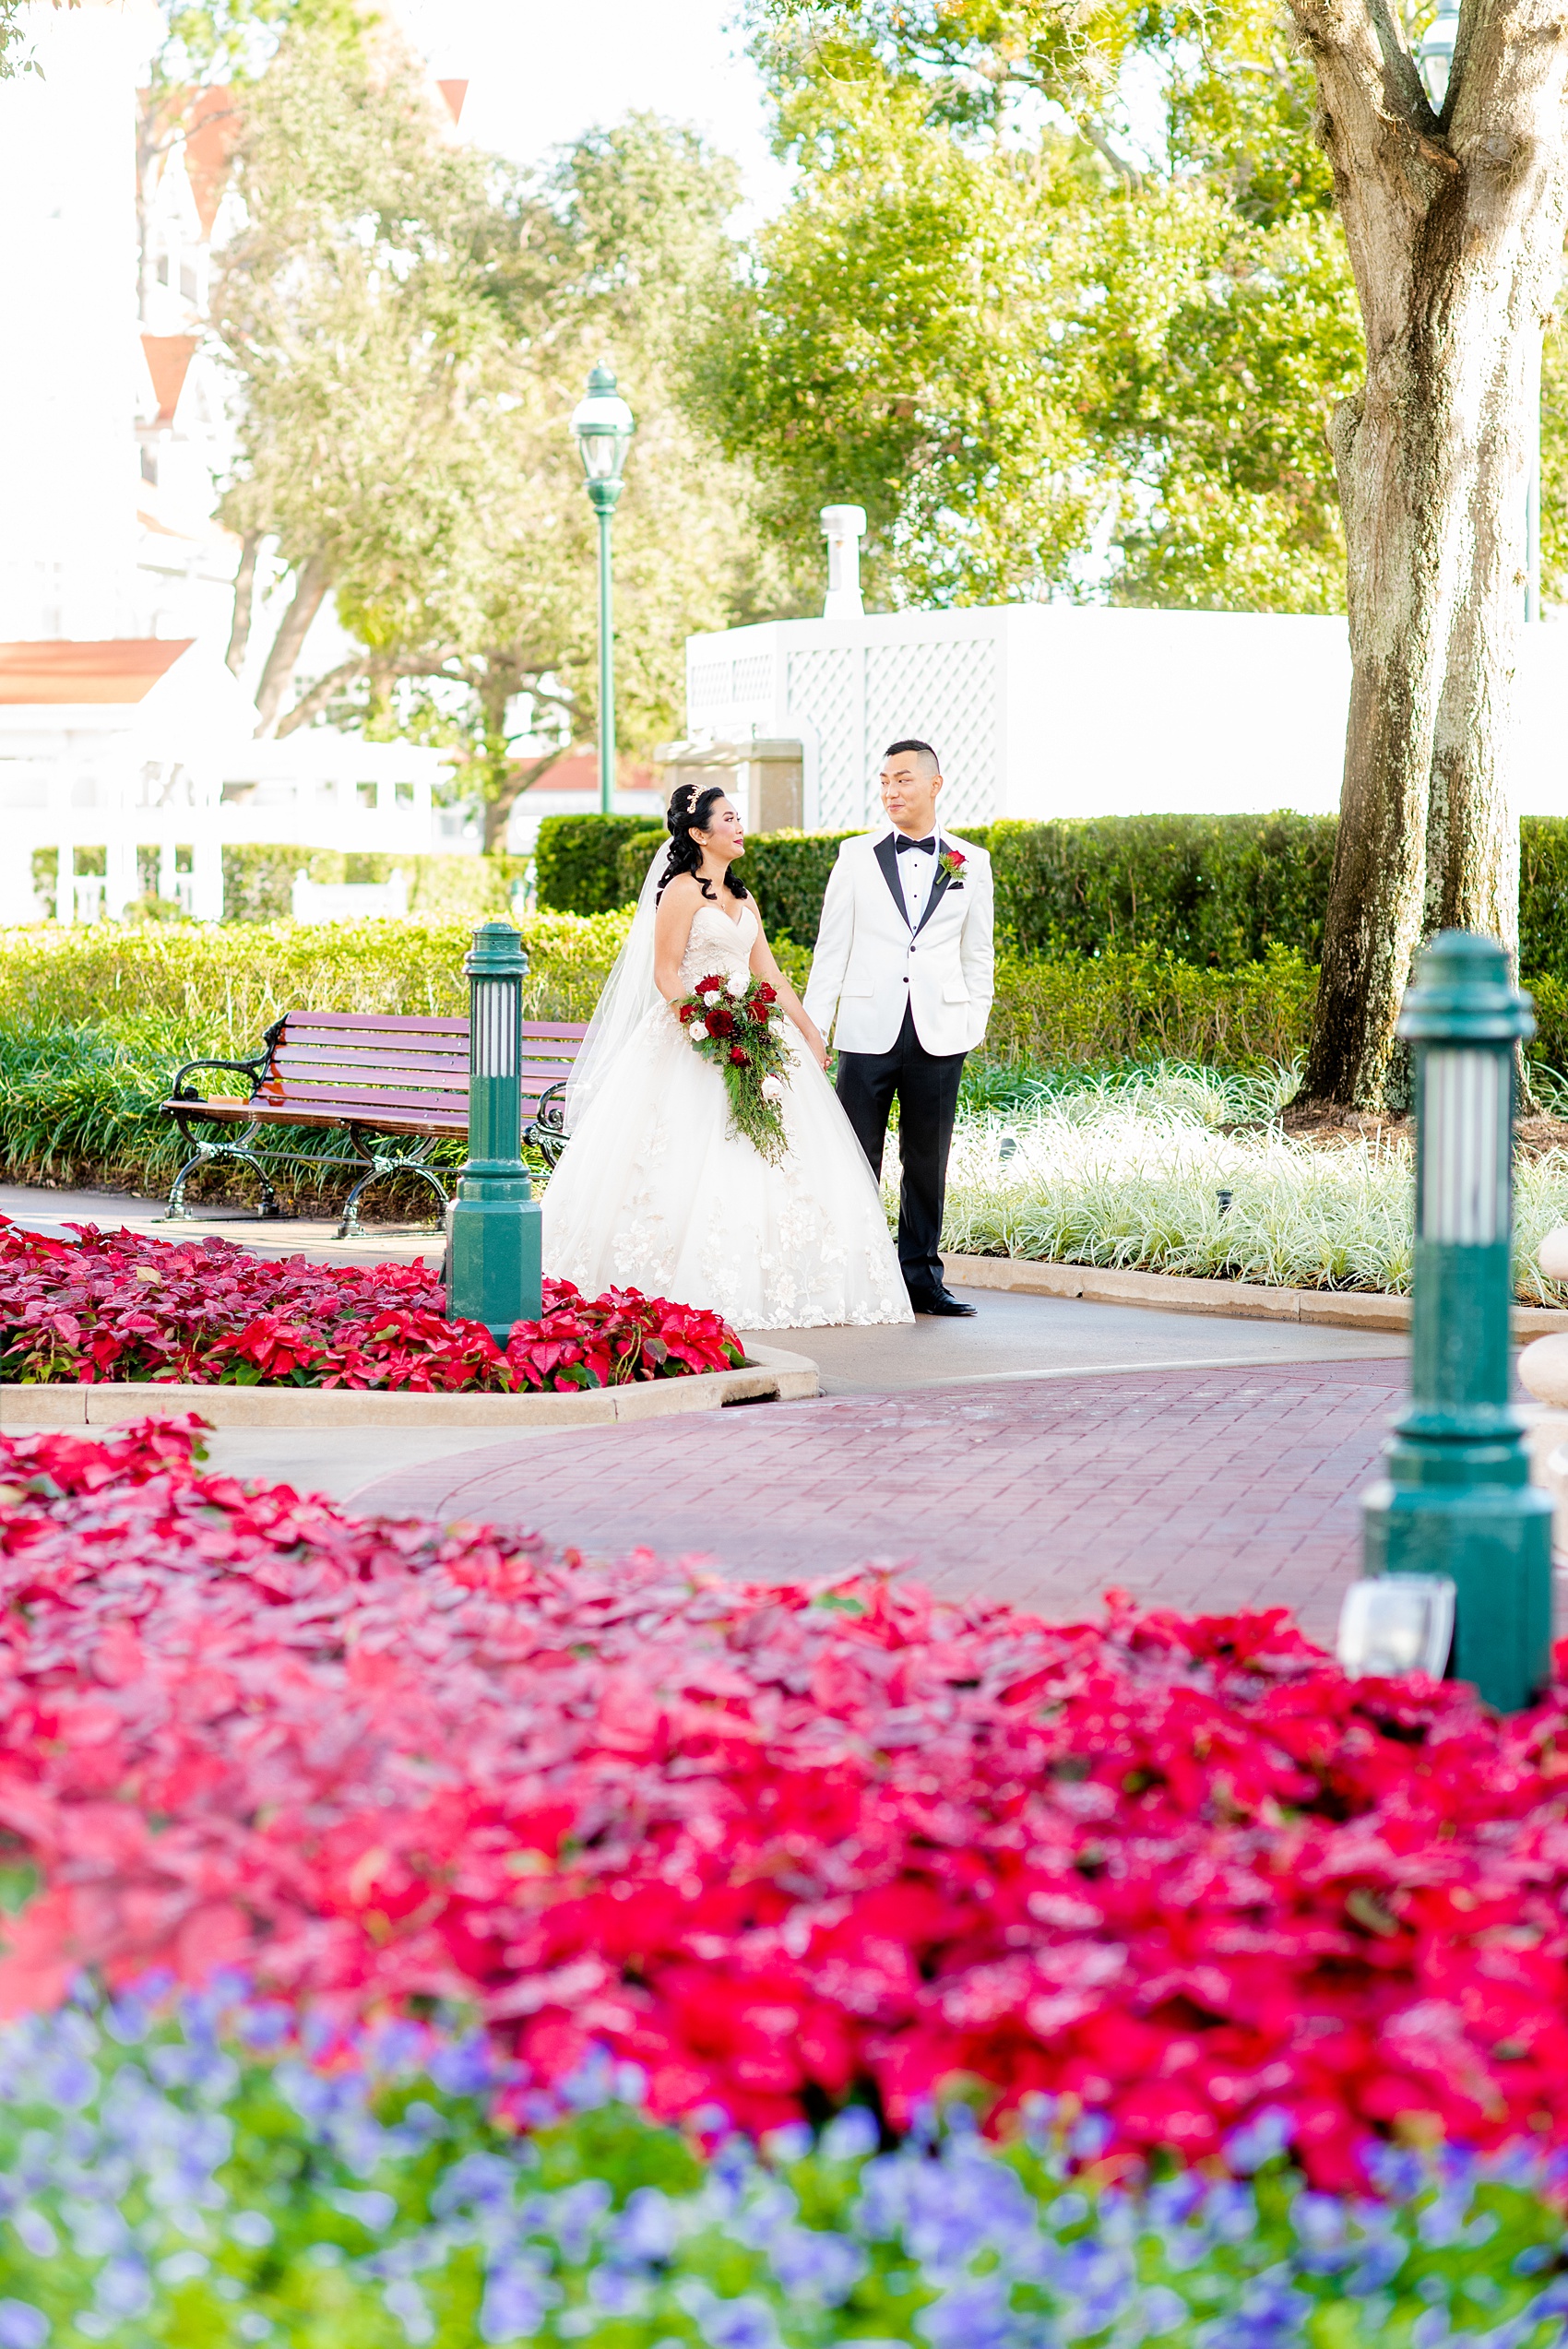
<point x="653" y="1192"/>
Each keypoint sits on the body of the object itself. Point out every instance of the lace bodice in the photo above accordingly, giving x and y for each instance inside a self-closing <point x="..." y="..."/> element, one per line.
<point x="718" y="944"/>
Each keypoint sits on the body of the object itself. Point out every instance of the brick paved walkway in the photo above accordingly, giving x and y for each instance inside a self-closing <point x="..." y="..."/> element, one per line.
<point x="1194" y="1489"/>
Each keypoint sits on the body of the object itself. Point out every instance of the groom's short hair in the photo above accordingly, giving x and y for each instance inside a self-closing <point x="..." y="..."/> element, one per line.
<point x="924" y="748"/>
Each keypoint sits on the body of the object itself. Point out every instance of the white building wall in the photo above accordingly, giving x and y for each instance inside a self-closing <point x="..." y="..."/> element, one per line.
<point x="1041" y="710"/>
<point x="67" y="373"/>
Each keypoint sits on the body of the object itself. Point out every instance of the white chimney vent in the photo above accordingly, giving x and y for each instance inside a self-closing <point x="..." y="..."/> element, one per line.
<point x="843" y="526"/>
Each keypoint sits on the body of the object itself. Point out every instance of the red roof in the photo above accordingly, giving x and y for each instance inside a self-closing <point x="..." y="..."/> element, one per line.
<point x="454" y="93"/>
<point x="168" y="358"/>
<point x="114" y="669"/>
<point x="212" y="133"/>
<point x="578" y="771"/>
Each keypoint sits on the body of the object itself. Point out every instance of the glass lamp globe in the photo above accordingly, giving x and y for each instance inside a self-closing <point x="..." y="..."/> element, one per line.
<point x="603" y="425"/>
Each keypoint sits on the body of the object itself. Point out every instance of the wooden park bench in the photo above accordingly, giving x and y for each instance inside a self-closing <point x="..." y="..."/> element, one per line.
<point x="375" y="1078"/>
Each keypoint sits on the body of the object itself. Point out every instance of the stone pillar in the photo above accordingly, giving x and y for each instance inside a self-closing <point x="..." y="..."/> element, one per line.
<point x="843" y="526"/>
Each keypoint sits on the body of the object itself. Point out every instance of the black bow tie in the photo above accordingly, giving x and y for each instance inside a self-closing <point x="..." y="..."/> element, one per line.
<point x="904" y="843"/>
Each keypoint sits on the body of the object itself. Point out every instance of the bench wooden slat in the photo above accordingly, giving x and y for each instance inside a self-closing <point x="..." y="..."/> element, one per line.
<point x="388" y="1023"/>
<point x="370" y="1065"/>
<point x="362" y="1102"/>
<point x="422" y="1121"/>
<point x="314" y="1056"/>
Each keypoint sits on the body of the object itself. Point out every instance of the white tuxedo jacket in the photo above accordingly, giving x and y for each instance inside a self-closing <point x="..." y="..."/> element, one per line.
<point x="868" y="963"/>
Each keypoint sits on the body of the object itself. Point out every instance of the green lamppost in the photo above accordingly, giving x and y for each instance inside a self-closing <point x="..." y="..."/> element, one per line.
<point x="603" y="425"/>
<point x="1456" y="1499"/>
<point x="493" y="1238"/>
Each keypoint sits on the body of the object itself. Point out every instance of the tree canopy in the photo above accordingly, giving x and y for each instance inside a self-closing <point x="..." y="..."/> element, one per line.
<point x="1044" y="363"/>
<point x="410" y="323"/>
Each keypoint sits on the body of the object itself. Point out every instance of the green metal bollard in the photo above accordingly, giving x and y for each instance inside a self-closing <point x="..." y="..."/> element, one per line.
<point x="1457" y="1500"/>
<point x="493" y="1227"/>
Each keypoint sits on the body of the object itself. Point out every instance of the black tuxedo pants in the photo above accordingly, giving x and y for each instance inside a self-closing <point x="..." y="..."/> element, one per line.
<point x="925" y="1086"/>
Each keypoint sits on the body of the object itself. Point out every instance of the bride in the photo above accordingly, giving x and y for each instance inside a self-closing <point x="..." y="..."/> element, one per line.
<point x="654" y="1192"/>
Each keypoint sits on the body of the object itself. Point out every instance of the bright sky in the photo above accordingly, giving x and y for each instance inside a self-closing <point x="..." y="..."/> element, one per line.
<point x="539" y="72"/>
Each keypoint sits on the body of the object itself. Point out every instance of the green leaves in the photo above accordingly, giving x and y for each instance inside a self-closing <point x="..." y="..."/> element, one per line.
<point x="1045" y="367"/>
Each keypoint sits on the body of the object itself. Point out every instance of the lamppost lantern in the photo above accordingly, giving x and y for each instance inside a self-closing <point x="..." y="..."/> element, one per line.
<point x="1434" y="51"/>
<point x="1457" y="1501"/>
<point x="493" y="1268"/>
<point x="603" y="425"/>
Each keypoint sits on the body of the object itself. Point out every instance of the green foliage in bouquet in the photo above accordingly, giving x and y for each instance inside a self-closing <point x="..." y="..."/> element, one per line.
<point x="739" y="1031"/>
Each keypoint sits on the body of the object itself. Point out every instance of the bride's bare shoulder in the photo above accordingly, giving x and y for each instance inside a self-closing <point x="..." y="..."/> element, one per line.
<point x="681" y="892"/>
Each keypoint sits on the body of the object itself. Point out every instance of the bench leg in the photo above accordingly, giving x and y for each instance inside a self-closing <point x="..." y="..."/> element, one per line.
<point x="380" y="1163"/>
<point x="203" y="1154"/>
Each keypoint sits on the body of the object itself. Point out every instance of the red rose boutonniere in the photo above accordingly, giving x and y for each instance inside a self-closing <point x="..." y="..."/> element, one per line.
<point x="951" y="863"/>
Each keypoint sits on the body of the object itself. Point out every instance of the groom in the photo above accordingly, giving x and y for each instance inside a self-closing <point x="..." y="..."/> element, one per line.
<point x="903" y="956"/>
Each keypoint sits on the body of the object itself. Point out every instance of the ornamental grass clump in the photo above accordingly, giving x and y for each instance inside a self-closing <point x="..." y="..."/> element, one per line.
<point x="217" y="2170"/>
<point x="1149" y="1171"/>
<point x="786" y="1850"/>
<point x="116" y="1306"/>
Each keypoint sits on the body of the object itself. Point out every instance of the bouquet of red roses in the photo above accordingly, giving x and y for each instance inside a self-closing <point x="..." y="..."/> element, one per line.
<point x="740" y="1030"/>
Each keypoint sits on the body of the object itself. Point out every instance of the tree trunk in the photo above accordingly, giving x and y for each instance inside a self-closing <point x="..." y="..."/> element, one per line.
<point x="311" y="583"/>
<point x="1454" y="224"/>
<point x="244" y="599"/>
<point x="516" y="779"/>
<point x="311" y="704"/>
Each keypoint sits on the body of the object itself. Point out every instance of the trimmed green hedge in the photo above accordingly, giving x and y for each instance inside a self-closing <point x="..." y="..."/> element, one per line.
<point x="1215" y="891"/>
<point x="786" y="871"/>
<point x="631" y="860"/>
<point x="575" y="861"/>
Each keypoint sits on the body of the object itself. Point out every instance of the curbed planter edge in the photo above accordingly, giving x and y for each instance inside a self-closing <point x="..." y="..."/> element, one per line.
<point x="769" y="1375"/>
<point x="1230" y="1300"/>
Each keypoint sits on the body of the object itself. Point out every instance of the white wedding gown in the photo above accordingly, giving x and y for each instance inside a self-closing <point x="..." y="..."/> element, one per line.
<point x="653" y="1191"/>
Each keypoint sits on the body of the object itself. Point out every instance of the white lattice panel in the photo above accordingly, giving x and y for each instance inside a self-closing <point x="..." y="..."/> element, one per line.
<point x="825" y="688"/>
<point x="709" y="684"/>
<point x="753" y="681"/>
<point x="944" y="693"/>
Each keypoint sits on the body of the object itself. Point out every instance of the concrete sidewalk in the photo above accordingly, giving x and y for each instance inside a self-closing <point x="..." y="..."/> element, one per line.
<point x="54" y="1211"/>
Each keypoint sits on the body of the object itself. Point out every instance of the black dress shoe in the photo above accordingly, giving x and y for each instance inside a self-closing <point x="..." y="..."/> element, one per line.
<point x="941" y="1300"/>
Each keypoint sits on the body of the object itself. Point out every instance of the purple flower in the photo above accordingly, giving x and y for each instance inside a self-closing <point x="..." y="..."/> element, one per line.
<point x="971" y="2315"/>
<point x="644" y="2232"/>
<point x="745" y="2323"/>
<point x="123" y="2288"/>
<point x="851" y="2136"/>
<point x="810" y="2263"/>
<point x="22" y="2326"/>
<point x="1162" y="2310"/>
<point x="515" y="2297"/>
<point x="465" y="2068"/>
<point x="1262" y="2138"/>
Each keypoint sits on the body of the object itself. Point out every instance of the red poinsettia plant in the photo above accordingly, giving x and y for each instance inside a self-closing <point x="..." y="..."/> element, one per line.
<point x="739" y="1028"/>
<point x="777" y="1847"/>
<point x="114" y="1305"/>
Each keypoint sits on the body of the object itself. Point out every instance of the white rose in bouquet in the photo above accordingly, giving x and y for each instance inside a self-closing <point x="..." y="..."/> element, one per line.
<point x="712" y="997"/>
<point x="735" y="988"/>
<point x="697" y="1030"/>
<point x="771" y="1090"/>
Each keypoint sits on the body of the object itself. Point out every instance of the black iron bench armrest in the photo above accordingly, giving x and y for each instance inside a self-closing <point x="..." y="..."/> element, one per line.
<point x="547" y="1128"/>
<point x="256" y="1069"/>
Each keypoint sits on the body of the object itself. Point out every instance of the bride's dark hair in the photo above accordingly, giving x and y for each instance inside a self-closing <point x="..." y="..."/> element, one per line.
<point x="689" y="811"/>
